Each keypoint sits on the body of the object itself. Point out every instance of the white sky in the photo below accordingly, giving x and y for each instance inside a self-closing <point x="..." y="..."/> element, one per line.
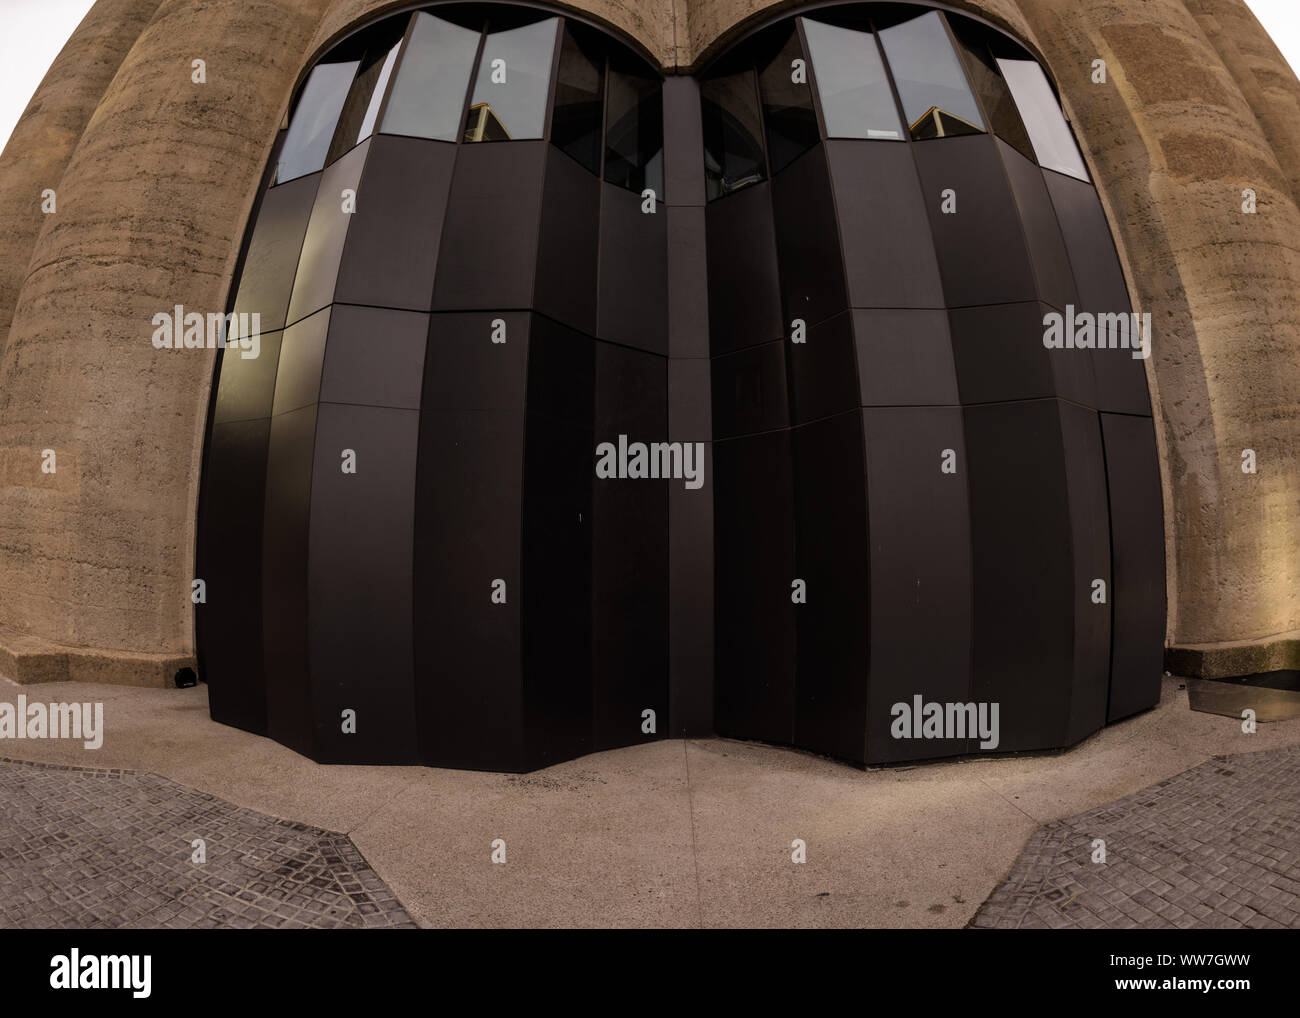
<point x="33" y="31"/>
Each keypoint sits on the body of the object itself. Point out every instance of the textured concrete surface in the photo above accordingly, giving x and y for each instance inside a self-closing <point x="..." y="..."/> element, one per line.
<point x="84" y="848"/>
<point x="43" y="140"/>
<point x="670" y="833"/>
<point x="156" y="177"/>
<point x="1174" y="140"/>
<point x="1215" y="847"/>
<point x="152" y="204"/>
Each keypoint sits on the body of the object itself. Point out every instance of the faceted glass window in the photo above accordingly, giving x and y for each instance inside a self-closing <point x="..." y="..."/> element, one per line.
<point x="514" y="79"/>
<point x="634" y="132"/>
<point x="314" y="119"/>
<point x="1053" y="142"/>
<point x="432" y="78"/>
<point x="733" y="129"/>
<point x="788" y="115"/>
<point x="357" y="121"/>
<point x="579" y="98"/>
<point x="851" y="83"/>
<point x="990" y="86"/>
<point x="936" y="98"/>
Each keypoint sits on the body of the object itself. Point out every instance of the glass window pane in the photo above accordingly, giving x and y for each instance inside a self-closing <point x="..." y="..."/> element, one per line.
<point x="634" y="134"/>
<point x="990" y="86"/>
<point x="1053" y="142"/>
<point x="855" y="94"/>
<point x="936" y="98"/>
<point x="579" y="96"/>
<point x="514" y="80"/>
<point x="377" y="97"/>
<point x="314" y="119"/>
<point x="788" y="114"/>
<point x="367" y="91"/>
<point x="432" y="78"/>
<point x="733" y="153"/>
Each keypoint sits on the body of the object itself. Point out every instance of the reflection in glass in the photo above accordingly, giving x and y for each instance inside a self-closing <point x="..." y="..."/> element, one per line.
<point x="733" y="153"/>
<point x="514" y="77"/>
<point x="634" y="133"/>
<point x="377" y="98"/>
<point x="1053" y="142"/>
<point x="312" y="127"/>
<point x="357" y="120"/>
<point x="429" y="93"/>
<point x="855" y="96"/>
<point x="990" y="86"/>
<point x="788" y="112"/>
<point x="936" y="98"/>
<point x="579" y="94"/>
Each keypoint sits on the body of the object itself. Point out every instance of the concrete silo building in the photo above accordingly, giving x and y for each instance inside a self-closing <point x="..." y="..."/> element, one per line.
<point x="607" y="372"/>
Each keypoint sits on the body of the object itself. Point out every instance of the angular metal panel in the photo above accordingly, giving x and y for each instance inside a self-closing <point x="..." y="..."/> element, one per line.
<point x="1047" y="255"/>
<point x="921" y="596"/>
<point x="228" y="554"/>
<point x="466" y="369"/>
<point x="302" y="355"/>
<point x="981" y="248"/>
<point x="266" y="279"/>
<point x="823" y="371"/>
<point x="1024" y="589"/>
<point x="688" y="283"/>
<point x="322" y="247"/>
<point x="683" y="141"/>
<point x="807" y="241"/>
<point x="1138" y="560"/>
<point x="754" y="555"/>
<point x="744" y="284"/>
<point x="831" y="675"/>
<point x="904" y="357"/>
<point x="567" y="250"/>
<point x="633" y="272"/>
<point x="557" y="545"/>
<point x="246" y="385"/>
<point x="749" y="391"/>
<point x="492" y="224"/>
<point x="1120" y="378"/>
<point x="1085" y="475"/>
<point x="691" y="602"/>
<point x="629" y="554"/>
<point x="999" y="354"/>
<point x="889" y="258"/>
<point x="359" y="575"/>
<point x="284" y="579"/>
<point x="468" y="692"/>
<point x="394" y="237"/>
<point x="374" y="357"/>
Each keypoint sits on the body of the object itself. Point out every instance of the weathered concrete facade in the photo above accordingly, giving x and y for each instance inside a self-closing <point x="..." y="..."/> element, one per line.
<point x="155" y="177"/>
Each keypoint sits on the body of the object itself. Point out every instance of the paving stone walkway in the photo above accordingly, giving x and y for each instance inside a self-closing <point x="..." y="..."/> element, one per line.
<point x="1217" y="846"/>
<point x="84" y="848"/>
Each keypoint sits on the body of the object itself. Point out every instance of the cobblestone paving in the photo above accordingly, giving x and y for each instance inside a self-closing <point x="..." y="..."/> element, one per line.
<point x="85" y="848"/>
<point x="1217" y="846"/>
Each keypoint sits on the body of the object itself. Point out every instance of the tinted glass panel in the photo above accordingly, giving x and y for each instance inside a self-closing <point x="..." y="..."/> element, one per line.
<point x="1053" y="143"/>
<point x="514" y="79"/>
<point x="314" y="119"/>
<point x="733" y="153"/>
<point x="357" y="120"/>
<point x="429" y="93"/>
<point x="855" y="95"/>
<point x="377" y="97"/>
<point x="936" y="99"/>
<point x="990" y="86"/>
<point x="787" y="105"/>
<point x="579" y="95"/>
<point x="634" y="138"/>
